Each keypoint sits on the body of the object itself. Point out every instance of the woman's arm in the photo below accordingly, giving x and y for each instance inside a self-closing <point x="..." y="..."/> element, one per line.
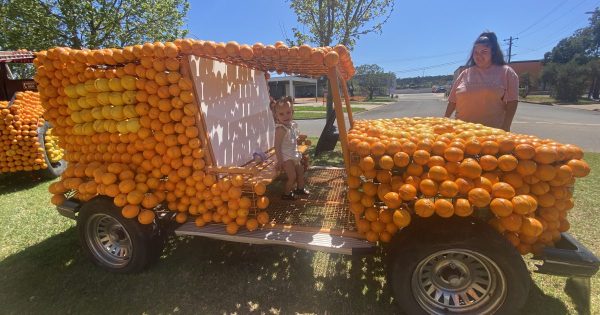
<point x="450" y="109"/>
<point x="511" y="109"/>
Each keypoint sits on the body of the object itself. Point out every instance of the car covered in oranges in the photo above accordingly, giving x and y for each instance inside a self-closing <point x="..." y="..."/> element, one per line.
<point x="182" y="132"/>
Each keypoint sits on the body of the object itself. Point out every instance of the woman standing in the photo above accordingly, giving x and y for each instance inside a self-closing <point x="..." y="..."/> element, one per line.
<point x="487" y="91"/>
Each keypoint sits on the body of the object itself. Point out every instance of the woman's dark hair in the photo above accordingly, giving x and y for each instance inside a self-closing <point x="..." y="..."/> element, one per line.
<point x="489" y="39"/>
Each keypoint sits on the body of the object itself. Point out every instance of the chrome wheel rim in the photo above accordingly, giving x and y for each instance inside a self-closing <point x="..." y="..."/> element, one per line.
<point x="108" y="240"/>
<point x="458" y="281"/>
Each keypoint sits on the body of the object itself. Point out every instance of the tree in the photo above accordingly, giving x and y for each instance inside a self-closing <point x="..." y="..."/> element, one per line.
<point x="40" y="24"/>
<point x="575" y="58"/>
<point x="339" y="21"/>
<point x="332" y="22"/>
<point x="568" y="80"/>
<point x="372" y="78"/>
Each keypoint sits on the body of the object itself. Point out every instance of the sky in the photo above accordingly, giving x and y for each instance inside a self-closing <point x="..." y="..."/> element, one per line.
<point x="421" y="38"/>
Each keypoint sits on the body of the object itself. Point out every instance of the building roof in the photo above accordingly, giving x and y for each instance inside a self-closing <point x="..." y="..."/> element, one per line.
<point x="301" y="60"/>
<point x="21" y="56"/>
<point x="292" y="78"/>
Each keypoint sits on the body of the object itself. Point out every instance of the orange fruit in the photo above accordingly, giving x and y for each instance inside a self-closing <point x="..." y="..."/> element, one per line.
<point x="251" y="224"/>
<point x="469" y="168"/>
<point x="378" y="149"/>
<point x="407" y="192"/>
<point x="507" y="163"/>
<point x="521" y="204"/>
<point x="262" y="217"/>
<point x="130" y="211"/>
<point x="513" y="178"/>
<point x="421" y="157"/>
<point x="386" y="162"/>
<point x="181" y="217"/>
<point x="489" y="147"/>
<point x="232" y="228"/>
<point x="483" y="182"/>
<point x="531" y="227"/>
<point x="503" y="190"/>
<point x="401" y="218"/>
<point x="262" y="202"/>
<point x="488" y="162"/>
<point x="371" y="214"/>
<point x="464" y="185"/>
<point x="260" y="188"/>
<point x="428" y="187"/>
<point x="436" y="161"/>
<point x="545" y="172"/>
<point x="200" y="222"/>
<point x="453" y="154"/>
<point x="501" y="207"/>
<point x="401" y="159"/>
<point x="479" y="197"/>
<point x="146" y="216"/>
<point x="366" y="163"/>
<point x="462" y="207"/>
<point x="579" y="167"/>
<point x="448" y="189"/>
<point x="526" y="167"/>
<point x="545" y="154"/>
<point x="524" y="151"/>
<point x="512" y="222"/>
<point x="472" y="147"/>
<point x="392" y="200"/>
<point x="438" y="173"/>
<point x="424" y="207"/>
<point x="444" y="208"/>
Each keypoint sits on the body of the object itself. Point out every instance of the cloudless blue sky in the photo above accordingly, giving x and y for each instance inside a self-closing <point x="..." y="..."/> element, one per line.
<point x="420" y="38"/>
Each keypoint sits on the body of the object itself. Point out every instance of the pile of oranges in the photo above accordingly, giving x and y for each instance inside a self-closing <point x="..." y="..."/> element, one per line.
<point x="438" y="166"/>
<point x="53" y="150"/>
<point x="20" y="146"/>
<point x="129" y="122"/>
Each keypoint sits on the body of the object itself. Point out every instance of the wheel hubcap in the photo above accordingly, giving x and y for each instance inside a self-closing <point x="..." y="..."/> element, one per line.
<point x="108" y="240"/>
<point x="458" y="281"/>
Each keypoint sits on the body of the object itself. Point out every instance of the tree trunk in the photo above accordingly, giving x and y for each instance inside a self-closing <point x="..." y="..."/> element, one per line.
<point x="371" y="93"/>
<point x="596" y="90"/>
<point x="330" y="111"/>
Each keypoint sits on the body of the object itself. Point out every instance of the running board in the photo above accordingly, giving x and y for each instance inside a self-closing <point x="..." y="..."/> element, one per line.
<point x="301" y="239"/>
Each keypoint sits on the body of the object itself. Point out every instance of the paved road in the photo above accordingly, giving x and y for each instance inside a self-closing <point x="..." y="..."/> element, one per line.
<point x="565" y="125"/>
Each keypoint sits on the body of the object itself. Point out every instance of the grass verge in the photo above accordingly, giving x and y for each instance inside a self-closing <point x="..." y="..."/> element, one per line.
<point x="313" y="112"/>
<point x="43" y="271"/>
<point x="549" y="100"/>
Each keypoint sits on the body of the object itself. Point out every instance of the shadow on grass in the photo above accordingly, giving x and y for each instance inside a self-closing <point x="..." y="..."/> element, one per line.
<point x="195" y="276"/>
<point x="13" y="182"/>
<point x="203" y="276"/>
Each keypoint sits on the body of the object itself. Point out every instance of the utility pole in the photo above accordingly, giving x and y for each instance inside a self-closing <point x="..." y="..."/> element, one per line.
<point x="510" y="43"/>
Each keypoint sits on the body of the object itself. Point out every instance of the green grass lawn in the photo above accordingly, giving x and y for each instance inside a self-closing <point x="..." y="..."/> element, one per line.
<point x="43" y="271"/>
<point x="314" y="112"/>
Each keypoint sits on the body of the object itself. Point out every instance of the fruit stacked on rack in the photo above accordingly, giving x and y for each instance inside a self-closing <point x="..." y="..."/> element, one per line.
<point x="20" y="145"/>
<point x="437" y="166"/>
<point x="129" y="121"/>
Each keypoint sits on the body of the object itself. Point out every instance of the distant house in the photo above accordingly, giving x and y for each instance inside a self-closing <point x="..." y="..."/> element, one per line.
<point x="533" y="67"/>
<point x="295" y="87"/>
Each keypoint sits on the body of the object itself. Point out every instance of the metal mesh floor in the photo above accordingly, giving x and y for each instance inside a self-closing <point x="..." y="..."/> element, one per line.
<point x="325" y="207"/>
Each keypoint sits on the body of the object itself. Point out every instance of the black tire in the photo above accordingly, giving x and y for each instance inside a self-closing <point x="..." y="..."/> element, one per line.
<point x="113" y="242"/>
<point x="54" y="170"/>
<point x="456" y="249"/>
